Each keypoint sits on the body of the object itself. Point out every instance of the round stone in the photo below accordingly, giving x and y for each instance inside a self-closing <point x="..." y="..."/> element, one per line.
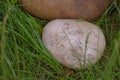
<point x="66" y="9"/>
<point x="75" y="44"/>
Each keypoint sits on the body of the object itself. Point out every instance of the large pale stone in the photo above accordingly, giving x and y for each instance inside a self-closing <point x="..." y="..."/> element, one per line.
<point x="75" y="44"/>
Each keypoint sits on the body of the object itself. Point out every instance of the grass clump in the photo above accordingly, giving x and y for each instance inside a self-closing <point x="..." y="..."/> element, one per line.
<point x="24" y="57"/>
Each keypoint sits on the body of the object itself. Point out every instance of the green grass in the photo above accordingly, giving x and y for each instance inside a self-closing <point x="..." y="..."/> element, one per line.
<point x="24" y="57"/>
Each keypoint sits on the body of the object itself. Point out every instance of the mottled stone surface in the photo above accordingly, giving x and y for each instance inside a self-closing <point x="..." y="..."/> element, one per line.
<point x="75" y="44"/>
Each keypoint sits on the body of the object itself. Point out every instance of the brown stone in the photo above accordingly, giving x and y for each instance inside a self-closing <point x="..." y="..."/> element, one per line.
<point x="66" y="9"/>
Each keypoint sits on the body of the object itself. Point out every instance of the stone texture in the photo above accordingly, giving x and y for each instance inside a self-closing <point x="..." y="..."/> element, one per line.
<point x="75" y="44"/>
<point x="66" y="9"/>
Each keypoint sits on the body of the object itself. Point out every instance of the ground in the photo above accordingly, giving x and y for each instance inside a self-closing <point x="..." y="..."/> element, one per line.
<point x="23" y="55"/>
